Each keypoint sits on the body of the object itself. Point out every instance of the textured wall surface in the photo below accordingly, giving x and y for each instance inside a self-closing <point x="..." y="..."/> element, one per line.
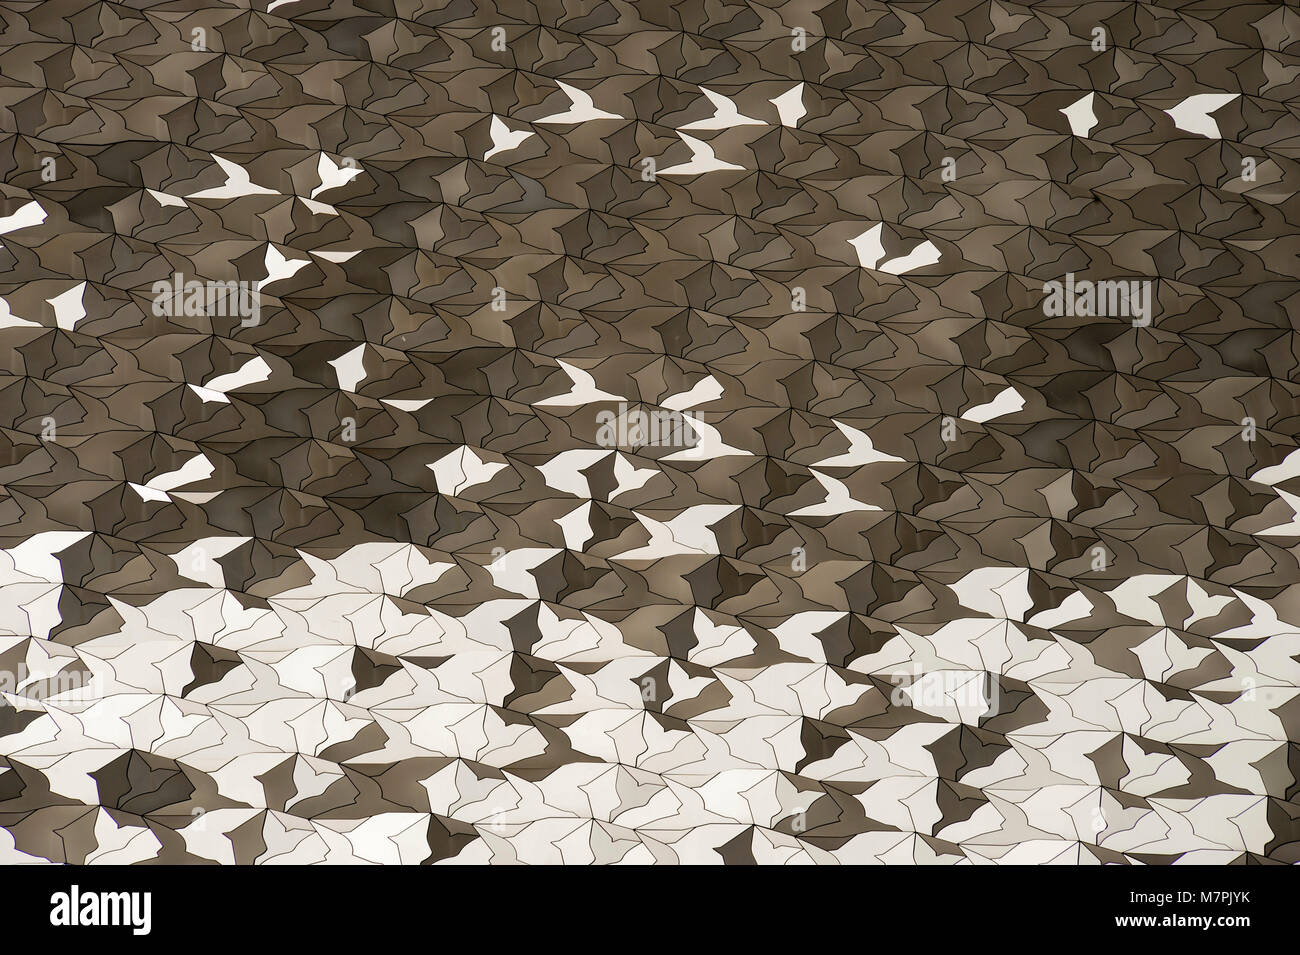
<point x="457" y="432"/>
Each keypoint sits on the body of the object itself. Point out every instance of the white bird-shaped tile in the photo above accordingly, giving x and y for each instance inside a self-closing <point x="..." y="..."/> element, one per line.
<point x="68" y="307"/>
<point x="582" y="109"/>
<point x="629" y="476"/>
<point x="708" y="444"/>
<point x="869" y="246"/>
<point x="1008" y="401"/>
<point x="870" y="249"/>
<point x="583" y="392"/>
<point x="510" y="571"/>
<point x="504" y="138"/>
<point x="687" y="533"/>
<point x="164" y="199"/>
<point x="861" y="450"/>
<point x="1193" y="114"/>
<point x="318" y="208"/>
<point x="332" y="175"/>
<point x="461" y="470"/>
<point x="725" y="114"/>
<point x="923" y="254"/>
<point x="278" y="267"/>
<point x="406" y="404"/>
<point x="838" y="500"/>
<point x="336" y="256"/>
<point x="1288" y="468"/>
<point x="252" y="371"/>
<point x="197" y="468"/>
<point x="350" y="368"/>
<point x="576" y="526"/>
<point x="789" y="106"/>
<point x="564" y="471"/>
<point x="702" y="160"/>
<point x="705" y="390"/>
<point x="237" y="184"/>
<point x="34" y="557"/>
<point x="1080" y="115"/>
<point x="26" y="215"/>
